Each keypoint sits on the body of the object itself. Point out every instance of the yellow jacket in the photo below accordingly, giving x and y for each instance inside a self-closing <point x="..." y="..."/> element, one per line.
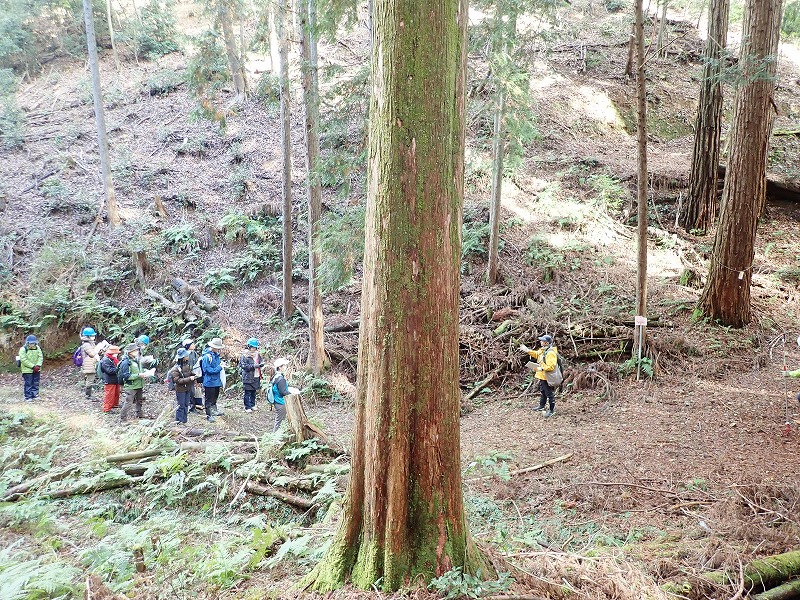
<point x="547" y="358"/>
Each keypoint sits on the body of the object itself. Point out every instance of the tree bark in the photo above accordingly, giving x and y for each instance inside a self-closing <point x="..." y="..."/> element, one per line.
<point x="701" y="206"/>
<point x="231" y="51"/>
<point x="109" y="196"/>
<point x="282" y="10"/>
<point x="316" y="325"/>
<point x="404" y="517"/>
<point x="726" y="296"/>
<point x="642" y="181"/>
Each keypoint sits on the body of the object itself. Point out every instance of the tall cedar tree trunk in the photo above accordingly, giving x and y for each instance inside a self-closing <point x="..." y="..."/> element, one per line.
<point x="726" y="296"/>
<point x="701" y="206"/>
<point x="281" y="13"/>
<point x="404" y="517"/>
<point x="308" y="38"/>
<point x="234" y="60"/>
<point x="109" y="197"/>
<point x="642" y="181"/>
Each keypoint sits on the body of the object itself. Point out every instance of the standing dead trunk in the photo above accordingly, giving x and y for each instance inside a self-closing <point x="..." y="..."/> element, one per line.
<point x="109" y="197"/>
<point x="641" y="184"/>
<point x="726" y="296"/>
<point x="231" y="51"/>
<point x="282" y="13"/>
<point x="404" y="518"/>
<point x="316" y="324"/>
<point x="701" y="205"/>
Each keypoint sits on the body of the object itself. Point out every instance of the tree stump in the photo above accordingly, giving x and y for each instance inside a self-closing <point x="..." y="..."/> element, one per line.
<point x="298" y="422"/>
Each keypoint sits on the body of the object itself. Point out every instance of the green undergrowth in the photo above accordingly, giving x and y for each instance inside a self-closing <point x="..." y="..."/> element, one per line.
<point x="179" y="523"/>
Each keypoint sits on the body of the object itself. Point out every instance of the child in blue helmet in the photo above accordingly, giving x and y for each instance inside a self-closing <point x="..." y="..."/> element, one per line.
<point x="91" y="353"/>
<point x="31" y="358"/>
<point x="250" y="365"/>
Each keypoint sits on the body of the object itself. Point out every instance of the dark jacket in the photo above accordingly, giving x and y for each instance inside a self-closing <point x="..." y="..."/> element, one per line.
<point x="211" y="369"/>
<point x="108" y="369"/>
<point x="279" y="387"/>
<point x="249" y="370"/>
<point x="182" y="377"/>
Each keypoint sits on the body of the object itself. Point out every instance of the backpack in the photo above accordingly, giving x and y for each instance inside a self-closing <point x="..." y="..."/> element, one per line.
<point x="98" y="371"/>
<point x="170" y="380"/>
<point x="197" y="368"/>
<point x="119" y="370"/>
<point x="271" y="394"/>
<point x="77" y="356"/>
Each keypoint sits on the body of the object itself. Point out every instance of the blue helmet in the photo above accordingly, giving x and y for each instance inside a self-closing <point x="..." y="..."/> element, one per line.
<point x="143" y="339"/>
<point x="252" y="343"/>
<point x="547" y="339"/>
<point x="31" y="339"/>
<point x="88" y="332"/>
<point x="182" y="353"/>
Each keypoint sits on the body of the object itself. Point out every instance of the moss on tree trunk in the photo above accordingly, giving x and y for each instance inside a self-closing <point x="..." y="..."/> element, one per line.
<point x="404" y="516"/>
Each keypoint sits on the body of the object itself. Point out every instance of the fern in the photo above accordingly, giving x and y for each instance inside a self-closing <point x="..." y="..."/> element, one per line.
<point x="22" y="578"/>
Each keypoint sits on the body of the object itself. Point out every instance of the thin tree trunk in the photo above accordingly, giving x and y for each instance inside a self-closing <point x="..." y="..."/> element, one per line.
<point x="286" y="163"/>
<point x="701" y="205"/>
<point x="111" y="33"/>
<point x="641" y="184"/>
<point x="498" y="151"/>
<point x="274" y="44"/>
<point x="404" y="518"/>
<point x="726" y="296"/>
<point x="316" y="325"/>
<point x="498" y="145"/>
<point x="109" y="197"/>
<point x="662" y="25"/>
<point x="234" y="62"/>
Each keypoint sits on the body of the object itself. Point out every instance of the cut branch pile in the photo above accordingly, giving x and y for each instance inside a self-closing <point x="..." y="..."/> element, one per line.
<point x="241" y="458"/>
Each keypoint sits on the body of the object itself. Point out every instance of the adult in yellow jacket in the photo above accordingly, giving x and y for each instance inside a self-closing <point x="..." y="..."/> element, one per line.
<point x="546" y="357"/>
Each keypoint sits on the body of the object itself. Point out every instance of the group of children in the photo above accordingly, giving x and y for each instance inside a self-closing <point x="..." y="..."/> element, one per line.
<point x="197" y="379"/>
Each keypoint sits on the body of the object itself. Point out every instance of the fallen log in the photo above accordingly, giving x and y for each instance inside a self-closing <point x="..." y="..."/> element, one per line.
<point x="546" y="463"/>
<point x="482" y="384"/>
<point x="342" y="327"/>
<point x="786" y="591"/>
<point x="14" y="493"/>
<point x="186" y="290"/>
<point x="334" y="468"/>
<point x="262" y="490"/>
<point x="778" y="188"/>
<point x="139" y="454"/>
<point x="82" y="490"/>
<point x="762" y="575"/>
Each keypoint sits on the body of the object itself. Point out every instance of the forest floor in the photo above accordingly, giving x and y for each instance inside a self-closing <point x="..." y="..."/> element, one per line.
<point x="693" y="469"/>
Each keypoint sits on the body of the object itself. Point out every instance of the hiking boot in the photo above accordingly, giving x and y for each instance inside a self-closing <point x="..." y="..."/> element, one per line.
<point x="211" y="419"/>
<point x="549" y="413"/>
<point x="538" y="409"/>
